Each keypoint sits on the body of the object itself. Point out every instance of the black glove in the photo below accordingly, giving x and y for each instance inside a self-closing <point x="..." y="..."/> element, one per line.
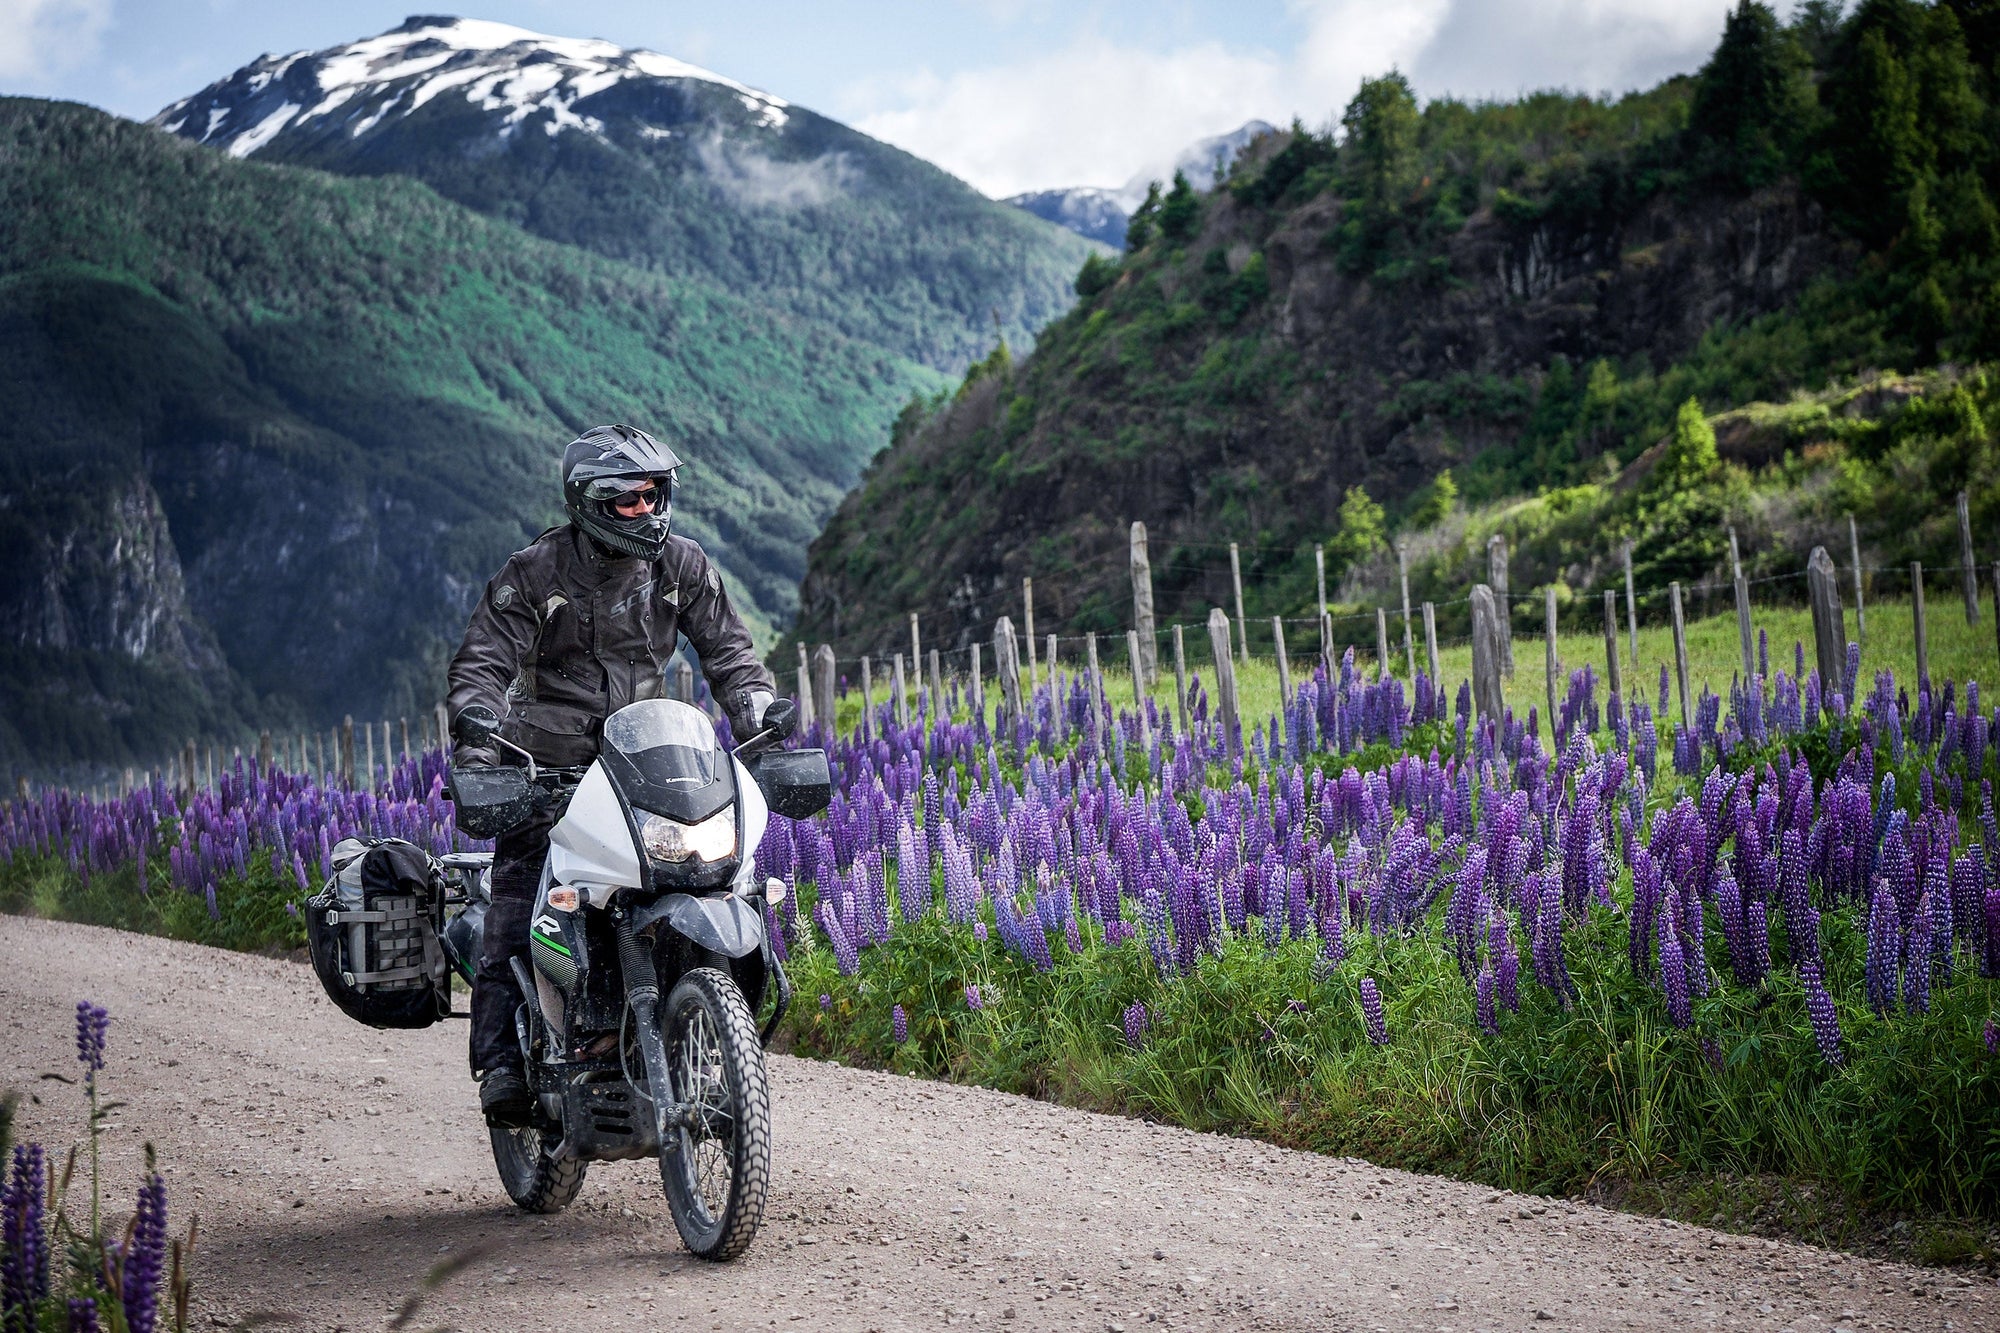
<point x="476" y="725"/>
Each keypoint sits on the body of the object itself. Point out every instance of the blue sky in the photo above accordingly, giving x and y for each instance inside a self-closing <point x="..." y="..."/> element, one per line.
<point x="1009" y="94"/>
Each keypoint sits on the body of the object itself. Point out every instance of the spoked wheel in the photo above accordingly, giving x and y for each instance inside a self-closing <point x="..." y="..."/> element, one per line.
<point x="717" y="1167"/>
<point x="529" y="1172"/>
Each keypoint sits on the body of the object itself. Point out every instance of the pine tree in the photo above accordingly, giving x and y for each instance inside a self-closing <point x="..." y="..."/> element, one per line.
<point x="1179" y="210"/>
<point x="1752" y="102"/>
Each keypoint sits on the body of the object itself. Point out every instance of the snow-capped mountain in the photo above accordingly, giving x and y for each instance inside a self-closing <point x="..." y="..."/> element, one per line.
<point x="650" y="160"/>
<point x="523" y="78"/>
<point x="1101" y="213"/>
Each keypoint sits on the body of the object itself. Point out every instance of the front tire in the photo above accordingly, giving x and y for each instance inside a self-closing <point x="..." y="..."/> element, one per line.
<point x="530" y="1173"/>
<point x="716" y="1173"/>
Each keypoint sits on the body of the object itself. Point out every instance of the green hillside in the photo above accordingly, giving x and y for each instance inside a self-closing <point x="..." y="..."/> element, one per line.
<point x="1523" y="295"/>
<point x="267" y="430"/>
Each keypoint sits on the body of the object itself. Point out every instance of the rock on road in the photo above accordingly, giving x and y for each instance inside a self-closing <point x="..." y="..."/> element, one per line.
<point x="332" y="1166"/>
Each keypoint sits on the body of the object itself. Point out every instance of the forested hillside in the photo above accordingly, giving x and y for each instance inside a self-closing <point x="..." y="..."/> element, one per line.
<point x="268" y="430"/>
<point x="1438" y="307"/>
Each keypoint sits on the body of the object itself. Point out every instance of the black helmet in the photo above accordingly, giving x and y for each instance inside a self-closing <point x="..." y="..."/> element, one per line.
<point x="606" y="462"/>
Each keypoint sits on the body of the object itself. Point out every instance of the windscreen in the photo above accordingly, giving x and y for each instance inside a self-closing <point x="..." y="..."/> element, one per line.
<point x="663" y="756"/>
<point x="666" y="742"/>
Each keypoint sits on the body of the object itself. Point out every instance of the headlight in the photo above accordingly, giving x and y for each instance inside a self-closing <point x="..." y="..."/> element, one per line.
<point x="713" y="839"/>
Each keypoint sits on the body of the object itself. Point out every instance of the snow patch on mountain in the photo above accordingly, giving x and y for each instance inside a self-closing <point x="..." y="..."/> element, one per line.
<point x="1101" y="213"/>
<point x="494" y="66"/>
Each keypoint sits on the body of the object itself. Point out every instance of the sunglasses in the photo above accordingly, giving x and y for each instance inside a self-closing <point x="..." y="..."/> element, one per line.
<point x="647" y="500"/>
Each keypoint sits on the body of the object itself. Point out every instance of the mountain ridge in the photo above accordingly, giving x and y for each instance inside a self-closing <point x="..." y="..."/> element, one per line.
<point x="648" y="160"/>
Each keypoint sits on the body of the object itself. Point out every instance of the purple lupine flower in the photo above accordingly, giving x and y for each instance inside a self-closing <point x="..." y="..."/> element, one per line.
<point x="972" y="998"/>
<point x="899" y="1023"/>
<point x="82" y="1315"/>
<point x="1673" y="966"/>
<point x="1992" y="1036"/>
<point x="1819" y="1007"/>
<point x="147" y="1258"/>
<point x="1482" y="990"/>
<point x="979" y="931"/>
<point x="825" y="1002"/>
<point x="92" y="1023"/>
<point x="24" y="1259"/>
<point x="1371" y="1012"/>
<point x="1885" y="941"/>
<point x="1135" y="1025"/>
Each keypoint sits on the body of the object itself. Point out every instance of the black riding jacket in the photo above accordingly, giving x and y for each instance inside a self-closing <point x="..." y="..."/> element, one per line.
<point x="566" y="635"/>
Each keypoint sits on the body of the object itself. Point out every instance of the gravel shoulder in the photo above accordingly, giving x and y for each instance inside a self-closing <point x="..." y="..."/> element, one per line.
<point x="332" y="1166"/>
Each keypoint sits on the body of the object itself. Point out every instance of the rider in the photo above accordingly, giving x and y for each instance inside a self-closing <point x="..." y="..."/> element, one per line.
<point x="572" y="629"/>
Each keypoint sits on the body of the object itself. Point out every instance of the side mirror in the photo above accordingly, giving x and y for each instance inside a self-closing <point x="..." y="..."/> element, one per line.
<point x="781" y="718"/>
<point x="796" y="783"/>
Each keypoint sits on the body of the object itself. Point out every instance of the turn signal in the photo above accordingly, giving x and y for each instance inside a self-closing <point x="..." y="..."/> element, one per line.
<point x="563" y="899"/>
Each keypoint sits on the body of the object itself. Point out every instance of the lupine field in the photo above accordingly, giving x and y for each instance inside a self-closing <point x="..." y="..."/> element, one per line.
<point x="1764" y="947"/>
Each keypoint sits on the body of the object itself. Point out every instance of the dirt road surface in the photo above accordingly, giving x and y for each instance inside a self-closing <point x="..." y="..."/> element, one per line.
<point x="332" y="1166"/>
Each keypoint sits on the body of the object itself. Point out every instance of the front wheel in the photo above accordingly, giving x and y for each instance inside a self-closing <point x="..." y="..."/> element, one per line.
<point x="716" y="1166"/>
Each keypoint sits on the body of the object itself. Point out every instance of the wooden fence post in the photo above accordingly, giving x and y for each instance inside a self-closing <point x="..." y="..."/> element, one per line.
<point x="1829" y="633"/>
<point x="1923" y="635"/>
<point x="823" y="686"/>
<point x="1139" y="688"/>
<point x="1225" y="680"/>
<point x="404" y="724"/>
<point x="1007" y="668"/>
<point x="805" y="694"/>
<point x="1409" y="633"/>
<point x="1681" y="655"/>
<point x="1236" y="579"/>
<point x="1381" y="643"/>
<point x="916" y="653"/>
<point x="1996" y="603"/>
<point x="1319" y="571"/>
<point x="347" y="751"/>
<point x="900" y="688"/>
<point x="1181" y="677"/>
<point x="320" y="774"/>
<point x="1049" y="659"/>
<point x="1966" y="559"/>
<point x="1631" y="607"/>
<point x="1142" y="607"/>
<point x="443" y="732"/>
<point x="1431" y="643"/>
<point x="1551" y="664"/>
<point x="937" y="688"/>
<point x="1028" y="627"/>
<point x="1093" y="685"/>
<point x="1611" y="672"/>
<point x="1854" y="549"/>
<point x="977" y="686"/>
<point x="867" y="698"/>
<point x="264" y="756"/>
<point x="1284" y="664"/>
<point x="1496" y="574"/>
<point x="368" y="746"/>
<point x="1486" y="693"/>
<point x="1742" y="608"/>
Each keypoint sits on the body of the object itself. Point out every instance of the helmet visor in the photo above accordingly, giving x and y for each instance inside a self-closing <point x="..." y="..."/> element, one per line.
<point x="613" y="488"/>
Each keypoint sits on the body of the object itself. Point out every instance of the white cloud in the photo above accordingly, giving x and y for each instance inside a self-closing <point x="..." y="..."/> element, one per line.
<point x="1095" y="111"/>
<point x="44" y="37"/>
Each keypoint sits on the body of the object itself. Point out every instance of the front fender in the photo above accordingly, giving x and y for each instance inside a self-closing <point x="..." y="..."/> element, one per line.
<point x="728" y="925"/>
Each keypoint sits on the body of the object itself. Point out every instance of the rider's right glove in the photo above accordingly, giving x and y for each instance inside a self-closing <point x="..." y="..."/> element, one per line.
<point x="475" y="725"/>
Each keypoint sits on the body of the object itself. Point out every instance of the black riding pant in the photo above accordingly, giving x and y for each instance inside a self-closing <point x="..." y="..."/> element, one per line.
<point x="518" y="856"/>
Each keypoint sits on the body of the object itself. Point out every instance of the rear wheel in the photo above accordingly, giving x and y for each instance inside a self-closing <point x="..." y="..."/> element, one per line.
<point x="716" y="1168"/>
<point x="530" y="1173"/>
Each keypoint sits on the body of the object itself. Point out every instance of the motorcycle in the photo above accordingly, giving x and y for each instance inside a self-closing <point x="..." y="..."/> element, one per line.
<point x="648" y="959"/>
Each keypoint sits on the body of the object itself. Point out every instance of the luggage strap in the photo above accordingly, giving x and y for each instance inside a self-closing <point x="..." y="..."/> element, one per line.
<point x="335" y="917"/>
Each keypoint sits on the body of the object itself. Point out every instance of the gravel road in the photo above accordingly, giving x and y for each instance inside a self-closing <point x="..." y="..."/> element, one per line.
<point x="332" y="1166"/>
